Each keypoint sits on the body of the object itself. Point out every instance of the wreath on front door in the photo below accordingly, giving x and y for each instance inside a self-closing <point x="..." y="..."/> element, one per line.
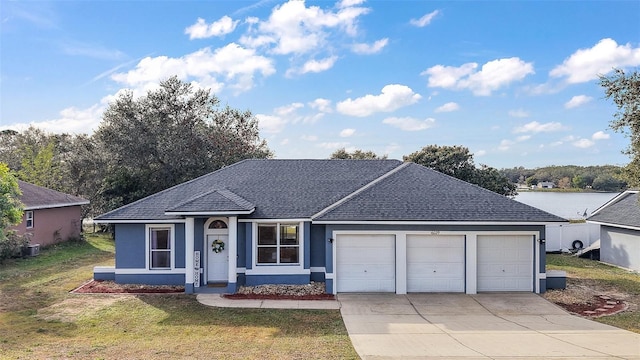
<point x="217" y="246"/>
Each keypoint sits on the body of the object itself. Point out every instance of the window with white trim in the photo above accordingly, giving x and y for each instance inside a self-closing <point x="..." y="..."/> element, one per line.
<point x="28" y="215"/>
<point x="278" y="244"/>
<point x="160" y="250"/>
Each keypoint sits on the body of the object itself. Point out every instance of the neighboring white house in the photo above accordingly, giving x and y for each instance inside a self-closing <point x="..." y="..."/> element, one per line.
<point x="546" y="185"/>
<point x="619" y="221"/>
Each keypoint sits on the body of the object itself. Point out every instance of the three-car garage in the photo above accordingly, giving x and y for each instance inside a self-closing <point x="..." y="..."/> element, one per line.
<point x="404" y="262"/>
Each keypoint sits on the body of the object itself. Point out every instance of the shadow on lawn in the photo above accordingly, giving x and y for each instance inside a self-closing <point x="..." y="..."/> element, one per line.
<point x="185" y="310"/>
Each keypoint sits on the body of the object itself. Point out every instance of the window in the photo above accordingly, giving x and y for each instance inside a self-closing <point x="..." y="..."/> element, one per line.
<point x="278" y="244"/>
<point x="29" y="218"/>
<point x="160" y="248"/>
<point x="217" y="224"/>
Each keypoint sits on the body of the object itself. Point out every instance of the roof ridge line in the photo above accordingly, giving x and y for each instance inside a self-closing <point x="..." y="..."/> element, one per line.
<point x="360" y="190"/>
<point x="228" y="194"/>
<point x="614" y="200"/>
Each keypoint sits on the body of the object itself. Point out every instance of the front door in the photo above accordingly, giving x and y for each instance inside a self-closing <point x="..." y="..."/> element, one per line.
<point x="218" y="262"/>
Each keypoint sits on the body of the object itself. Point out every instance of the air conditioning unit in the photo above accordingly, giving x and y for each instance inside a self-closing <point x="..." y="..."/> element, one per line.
<point x="33" y="250"/>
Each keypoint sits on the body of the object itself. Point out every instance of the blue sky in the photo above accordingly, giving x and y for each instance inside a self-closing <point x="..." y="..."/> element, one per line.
<point x="515" y="82"/>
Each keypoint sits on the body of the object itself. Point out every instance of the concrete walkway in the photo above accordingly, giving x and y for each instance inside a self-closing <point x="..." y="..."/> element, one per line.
<point x="218" y="301"/>
<point x="484" y="326"/>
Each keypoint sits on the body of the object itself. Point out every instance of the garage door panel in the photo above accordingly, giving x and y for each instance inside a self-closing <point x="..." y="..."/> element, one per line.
<point x="435" y="263"/>
<point x="365" y="263"/>
<point x="505" y="263"/>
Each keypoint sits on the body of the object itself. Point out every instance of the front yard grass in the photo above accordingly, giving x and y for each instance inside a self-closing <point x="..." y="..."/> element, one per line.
<point x="589" y="277"/>
<point x="40" y="319"/>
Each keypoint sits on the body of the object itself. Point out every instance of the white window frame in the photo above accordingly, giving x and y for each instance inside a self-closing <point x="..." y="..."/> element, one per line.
<point x="28" y="217"/>
<point x="172" y="243"/>
<point x="277" y="269"/>
<point x="278" y="244"/>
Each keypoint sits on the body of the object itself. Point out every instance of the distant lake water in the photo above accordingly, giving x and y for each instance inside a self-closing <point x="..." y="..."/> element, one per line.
<point x="565" y="204"/>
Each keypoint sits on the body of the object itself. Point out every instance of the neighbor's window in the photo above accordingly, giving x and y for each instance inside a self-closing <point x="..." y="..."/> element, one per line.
<point x="278" y="244"/>
<point x="160" y="248"/>
<point x="29" y="218"/>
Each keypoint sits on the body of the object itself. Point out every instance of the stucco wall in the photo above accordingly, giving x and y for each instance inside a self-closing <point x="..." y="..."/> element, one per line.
<point x="53" y="225"/>
<point x="620" y="247"/>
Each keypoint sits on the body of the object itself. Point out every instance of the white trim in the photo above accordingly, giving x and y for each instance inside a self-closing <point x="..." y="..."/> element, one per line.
<point x="400" y="245"/>
<point x="318" y="269"/>
<point x="495" y="223"/>
<point x="54" y="206"/>
<point x="206" y="231"/>
<point x="232" y="272"/>
<point x="471" y="263"/>
<point x="273" y="220"/>
<point x="536" y="261"/>
<point x="189" y="246"/>
<point x="147" y="241"/>
<point x="277" y="270"/>
<point x="542" y="276"/>
<point x="104" y="269"/>
<point x="329" y="276"/>
<point x="138" y="271"/>
<point x="359" y="190"/>
<point x="209" y="213"/>
<point x="614" y="200"/>
<point x="254" y="249"/>
<point x="241" y="270"/>
<point x="614" y="225"/>
<point x="166" y="221"/>
<point x="27" y="218"/>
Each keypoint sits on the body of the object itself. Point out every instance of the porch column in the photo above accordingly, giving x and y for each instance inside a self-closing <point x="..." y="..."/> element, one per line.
<point x="233" y="253"/>
<point x="188" y="254"/>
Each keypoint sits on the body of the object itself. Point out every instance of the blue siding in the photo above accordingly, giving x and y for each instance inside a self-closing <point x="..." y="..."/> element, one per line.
<point x="318" y="246"/>
<point x="248" y="247"/>
<point x="130" y="246"/>
<point x="307" y="245"/>
<point x="253" y="280"/>
<point x="242" y="245"/>
<point x="178" y="253"/>
<point x="150" y="279"/>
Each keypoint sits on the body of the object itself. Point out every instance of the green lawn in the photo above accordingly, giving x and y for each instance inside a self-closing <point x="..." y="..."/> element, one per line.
<point x="593" y="274"/>
<point x="39" y="319"/>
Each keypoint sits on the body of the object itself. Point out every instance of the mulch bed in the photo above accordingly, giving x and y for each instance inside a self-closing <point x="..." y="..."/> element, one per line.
<point x="279" y="297"/>
<point x="110" y="287"/>
<point x="598" y="306"/>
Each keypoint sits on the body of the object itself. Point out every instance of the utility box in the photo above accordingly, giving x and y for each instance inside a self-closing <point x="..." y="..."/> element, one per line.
<point x="556" y="279"/>
<point x="33" y="250"/>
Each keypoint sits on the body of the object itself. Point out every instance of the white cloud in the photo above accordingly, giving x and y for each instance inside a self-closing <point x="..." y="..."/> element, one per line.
<point x="480" y="153"/>
<point x="425" y="20"/>
<point x="492" y="76"/>
<point x="293" y="28"/>
<point x="519" y="113"/>
<point x="392" y="97"/>
<point x="231" y="65"/>
<point x="348" y="3"/>
<point x="202" y="30"/>
<point x="333" y="145"/>
<point x="314" y="66"/>
<point x="288" y="110"/>
<point x="270" y="123"/>
<point x="536" y="127"/>
<point x="367" y="49"/>
<point x="409" y="123"/>
<point x="577" y="100"/>
<point x="505" y="145"/>
<point x="448" y="107"/>
<point x="583" y="143"/>
<point x="284" y="142"/>
<point x="347" y="132"/>
<point x="600" y="135"/>
<point x="309" y="138"/>
<point x="322" y="105"/>
<point x="586" y="64"/>
<point x="522" y="138"/>
<point x="71" y="120"/>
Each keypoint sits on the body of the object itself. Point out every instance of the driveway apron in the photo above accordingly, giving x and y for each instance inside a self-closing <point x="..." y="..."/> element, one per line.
<point x="483" y="326"/>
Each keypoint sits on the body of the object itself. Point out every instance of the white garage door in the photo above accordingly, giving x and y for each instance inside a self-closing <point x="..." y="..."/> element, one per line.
<point x="365" y="263"/>
<point x="435" y="263"/>
<point x="505" y="263"/>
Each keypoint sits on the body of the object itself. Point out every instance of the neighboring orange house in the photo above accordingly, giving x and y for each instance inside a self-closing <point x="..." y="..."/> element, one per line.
<point x="49" y="216"/>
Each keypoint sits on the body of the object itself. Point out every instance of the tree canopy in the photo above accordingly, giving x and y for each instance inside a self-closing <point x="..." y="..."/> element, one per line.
<point x="10" y="205"/>
<point x="357" y="154"/>
<point x="457" y="161"/>
<point x="624" y="90"/>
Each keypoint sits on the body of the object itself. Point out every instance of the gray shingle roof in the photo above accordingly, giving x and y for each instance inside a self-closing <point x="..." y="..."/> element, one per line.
<point x="284" y="189"/>
<point x="332" y="190"/>
<point x="38" y="197"/>
<point x="416" y="193"/>
<point x="622" y="210"/>
<point x="217" y="200"/>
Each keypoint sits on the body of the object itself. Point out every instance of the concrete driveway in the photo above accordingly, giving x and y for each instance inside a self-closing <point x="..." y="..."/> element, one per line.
<point x="483" y="326"/>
